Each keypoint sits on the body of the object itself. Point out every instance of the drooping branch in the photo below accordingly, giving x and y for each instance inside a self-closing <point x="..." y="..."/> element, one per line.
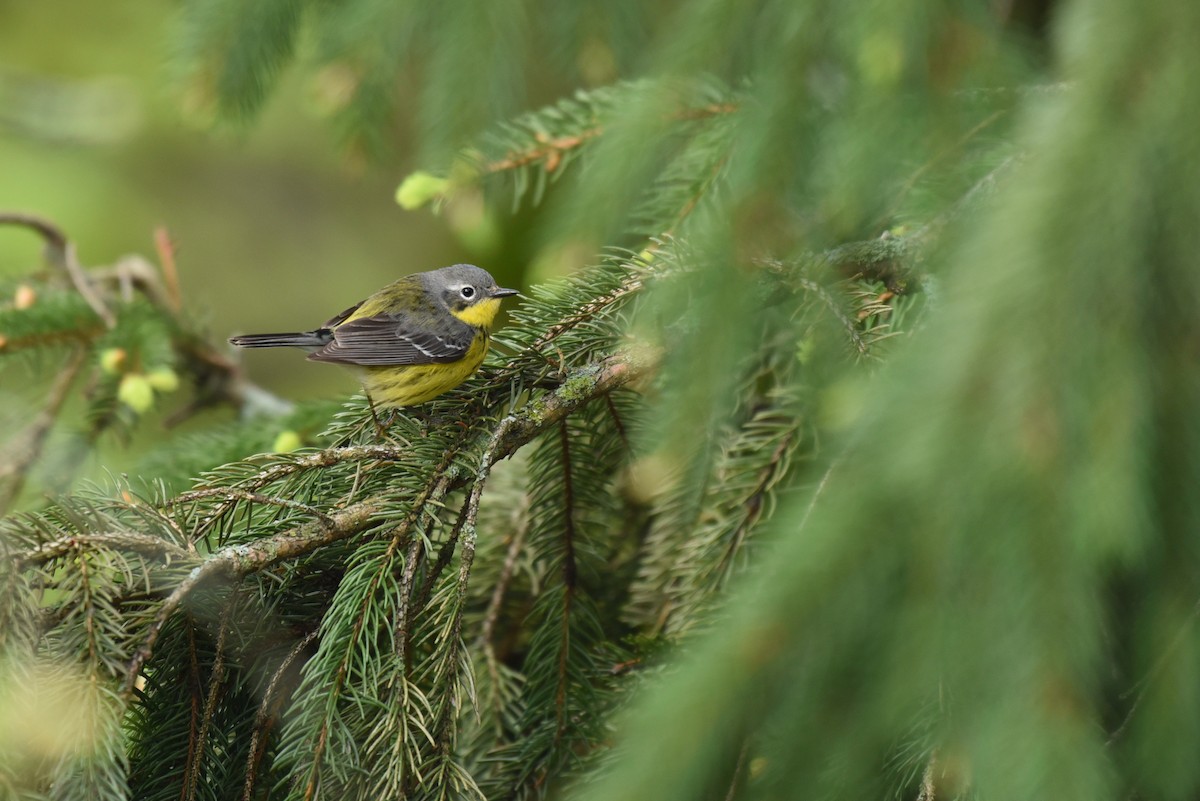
<point x="569" y="575"/>
<point x="215" y="681"/>
<point x="236" y="561"/>
<point x="266" y="714"/>
<point x="433" y="496"/>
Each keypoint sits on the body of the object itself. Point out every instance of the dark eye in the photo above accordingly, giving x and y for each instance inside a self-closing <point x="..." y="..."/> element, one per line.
<point x="467" y="292"/>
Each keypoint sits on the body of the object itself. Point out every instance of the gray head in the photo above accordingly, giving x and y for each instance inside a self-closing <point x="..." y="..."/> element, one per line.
<point x="460" y="286"/>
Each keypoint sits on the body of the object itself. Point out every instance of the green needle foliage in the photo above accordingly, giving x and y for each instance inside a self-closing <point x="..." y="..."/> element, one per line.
<point x="859" y="464"/>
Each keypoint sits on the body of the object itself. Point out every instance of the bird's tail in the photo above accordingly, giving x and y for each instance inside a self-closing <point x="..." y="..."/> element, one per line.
<point x="303" y="339"/>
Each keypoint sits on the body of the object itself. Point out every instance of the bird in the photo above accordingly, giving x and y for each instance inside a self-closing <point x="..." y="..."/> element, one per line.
<point x="416" y="338"/>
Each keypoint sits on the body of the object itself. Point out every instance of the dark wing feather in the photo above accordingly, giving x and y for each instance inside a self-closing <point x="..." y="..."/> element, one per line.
<point x="337" y="319"/>
<point x="386" y="340"/>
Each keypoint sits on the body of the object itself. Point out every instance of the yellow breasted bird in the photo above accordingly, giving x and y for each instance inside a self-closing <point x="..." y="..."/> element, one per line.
<point x="412" y="340"/>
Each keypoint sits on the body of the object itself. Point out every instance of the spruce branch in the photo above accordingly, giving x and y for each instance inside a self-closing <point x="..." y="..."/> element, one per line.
<point x="144" y="544"/>
<point x="399" y="537"/>
<point x="1140" y="688"/>
<point x="630" y="284"/>
<point x="495" y="603"/>
<point x="466" y="560"/>
<point x="433" y="497"/>
<point x="978" y="191"/>
<point x="234" y="494"/>
<point x="445" y="554"/>
<point x="549" y="151"/>
<point x="953" y="149"/>
<point x="569" y="575"/>
<point x="294" y="464"/>
<point x="236" y="561"/>
<point x="267" y="712"/>
<point x="195" y="707"/>
<point x="752" y="506"/>
<point x="215" y="682"/>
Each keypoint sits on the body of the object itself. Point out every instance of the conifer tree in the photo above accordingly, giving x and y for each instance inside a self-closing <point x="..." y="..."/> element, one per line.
<point x="859" y="463"/>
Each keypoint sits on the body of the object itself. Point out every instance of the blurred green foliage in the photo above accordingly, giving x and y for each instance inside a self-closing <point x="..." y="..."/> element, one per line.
<point x="860" y="462"/>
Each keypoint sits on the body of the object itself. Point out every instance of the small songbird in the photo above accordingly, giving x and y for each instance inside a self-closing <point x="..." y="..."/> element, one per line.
<point x="412" y="340"/>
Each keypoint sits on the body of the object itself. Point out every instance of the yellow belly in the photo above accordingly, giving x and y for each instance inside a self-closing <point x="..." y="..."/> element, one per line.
<point x="408" y="386"/>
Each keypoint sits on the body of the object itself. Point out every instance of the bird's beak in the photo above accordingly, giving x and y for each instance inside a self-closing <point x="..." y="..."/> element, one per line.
<point x="500" y="292"/>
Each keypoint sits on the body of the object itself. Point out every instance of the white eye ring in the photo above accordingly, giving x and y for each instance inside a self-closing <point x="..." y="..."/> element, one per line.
<point x="467" y="292"/>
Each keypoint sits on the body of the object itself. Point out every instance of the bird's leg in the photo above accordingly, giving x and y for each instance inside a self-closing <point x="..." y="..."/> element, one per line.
<point x="383" y="423"/>
<point x="380" y="430"/>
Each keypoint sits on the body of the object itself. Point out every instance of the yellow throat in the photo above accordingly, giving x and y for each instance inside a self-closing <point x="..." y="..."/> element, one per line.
<point x="481" y="314"/>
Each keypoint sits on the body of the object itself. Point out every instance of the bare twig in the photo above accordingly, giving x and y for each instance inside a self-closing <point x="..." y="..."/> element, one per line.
<point x="928" y="783"/>
<point x="60" y="252"/>
<point x="217" y="378"/>
<point x="56" y="240"/>
<point x="30" y="442"/>
<point x="135" y="272"/>
<point x="166" y="258"/>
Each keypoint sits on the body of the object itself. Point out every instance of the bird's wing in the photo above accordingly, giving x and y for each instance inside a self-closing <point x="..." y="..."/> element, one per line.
<point x="340" y="317"/>
<point x="388" y="340"/>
